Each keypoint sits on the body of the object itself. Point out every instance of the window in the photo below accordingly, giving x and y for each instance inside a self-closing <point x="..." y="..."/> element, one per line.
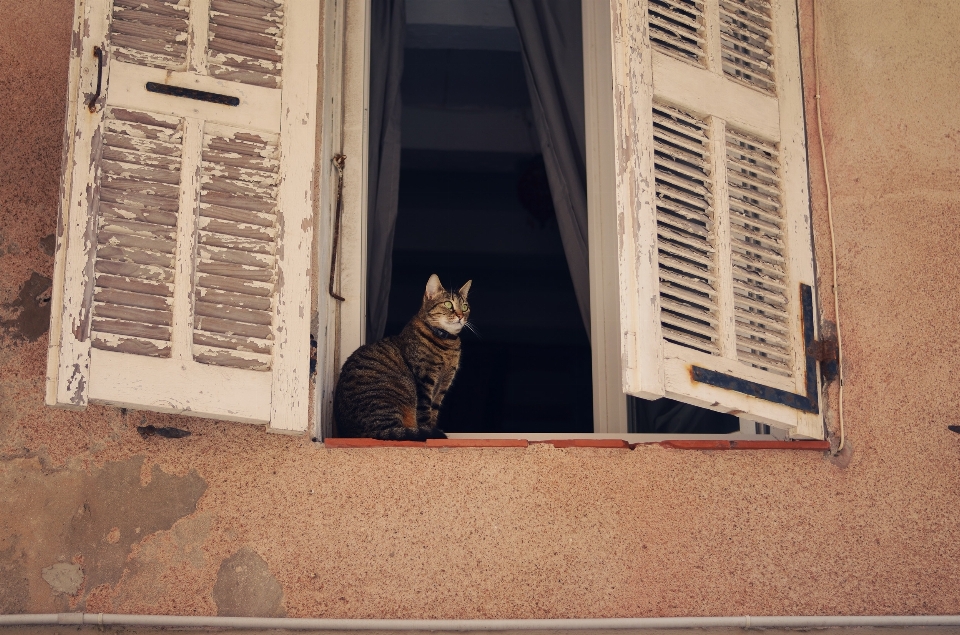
<point x="200" y="153"/>
<point x="700" y="250"/>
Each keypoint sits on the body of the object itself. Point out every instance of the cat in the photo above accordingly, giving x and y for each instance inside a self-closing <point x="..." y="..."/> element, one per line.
<point x="393" y="389"/>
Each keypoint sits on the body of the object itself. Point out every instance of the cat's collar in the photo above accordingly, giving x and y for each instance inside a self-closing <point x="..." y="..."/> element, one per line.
<point x="440" y="333"/>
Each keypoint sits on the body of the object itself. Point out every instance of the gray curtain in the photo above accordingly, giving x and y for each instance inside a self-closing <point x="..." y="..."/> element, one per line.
<point x="387" y="27"/>
<point x="551" y="40"/>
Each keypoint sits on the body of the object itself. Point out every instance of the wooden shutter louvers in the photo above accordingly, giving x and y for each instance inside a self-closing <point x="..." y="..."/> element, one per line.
<point x="246" y="41"/>
<point x="759" y="272"/>
<point x="686" y="253"/>
<point x="677" y="29"/>
<point x="185" y="287"/>
<point x="137" y="233"/>
<point x="236" y="265"/>
<point x="746" y="28"/>
<point x="716" y="258"/>
<point x="150" y="33"/>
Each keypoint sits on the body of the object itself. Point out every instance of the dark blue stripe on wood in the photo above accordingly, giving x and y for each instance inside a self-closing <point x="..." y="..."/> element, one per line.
<point x="807" y="403"/>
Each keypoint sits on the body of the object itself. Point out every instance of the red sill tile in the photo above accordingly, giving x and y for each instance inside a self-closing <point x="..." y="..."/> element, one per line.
<point x="588" y="443"/>
<point x="371" y="443"/>
<point x="818" y="446"/>
<point x="476" y="443"/>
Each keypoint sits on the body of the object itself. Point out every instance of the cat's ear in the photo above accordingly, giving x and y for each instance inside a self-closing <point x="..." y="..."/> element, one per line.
<point x="465" y="289"/>
<point x="434" y="288"/>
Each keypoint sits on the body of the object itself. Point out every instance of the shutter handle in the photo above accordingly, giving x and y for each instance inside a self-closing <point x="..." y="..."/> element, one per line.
<point x="98" y="53"/>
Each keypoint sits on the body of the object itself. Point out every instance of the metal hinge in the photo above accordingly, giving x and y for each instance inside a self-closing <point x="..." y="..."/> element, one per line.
<point x="824" y="350"/>
<point x="827" y="352"/>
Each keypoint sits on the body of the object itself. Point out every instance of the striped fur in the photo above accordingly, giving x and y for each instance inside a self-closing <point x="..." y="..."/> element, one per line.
<point x="393" y="389"/>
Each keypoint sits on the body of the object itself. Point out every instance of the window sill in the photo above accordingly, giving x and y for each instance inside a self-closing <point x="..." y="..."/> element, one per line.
<point x="616" y="444"/>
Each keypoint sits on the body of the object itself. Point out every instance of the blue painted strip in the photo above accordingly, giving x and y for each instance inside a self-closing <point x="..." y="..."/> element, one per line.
<point x="806" y="403"/>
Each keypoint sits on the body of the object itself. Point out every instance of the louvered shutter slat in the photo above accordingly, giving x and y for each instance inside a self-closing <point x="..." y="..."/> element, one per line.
<point x="677" y="28"/>
<point x="150" y="32"/>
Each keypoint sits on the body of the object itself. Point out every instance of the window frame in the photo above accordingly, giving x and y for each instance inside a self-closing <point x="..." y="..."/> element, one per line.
<point x="344" y="129"/>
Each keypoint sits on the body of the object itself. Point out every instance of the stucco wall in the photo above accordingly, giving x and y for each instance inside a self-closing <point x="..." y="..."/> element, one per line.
<point x="232" y="520"/>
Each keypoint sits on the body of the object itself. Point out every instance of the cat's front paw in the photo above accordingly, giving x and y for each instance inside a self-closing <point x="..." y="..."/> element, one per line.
<point x="436" y="433"/>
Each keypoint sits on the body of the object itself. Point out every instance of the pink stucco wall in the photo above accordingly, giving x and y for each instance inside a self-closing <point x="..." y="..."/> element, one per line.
<point x="232" y="520"/>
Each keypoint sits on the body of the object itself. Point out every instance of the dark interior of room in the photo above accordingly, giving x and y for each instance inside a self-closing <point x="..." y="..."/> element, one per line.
<point x="474" y="203"/>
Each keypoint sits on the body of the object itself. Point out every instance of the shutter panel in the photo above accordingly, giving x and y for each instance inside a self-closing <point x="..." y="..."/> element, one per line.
<point x="188" y="222"/>
<point x="716" y="259"/>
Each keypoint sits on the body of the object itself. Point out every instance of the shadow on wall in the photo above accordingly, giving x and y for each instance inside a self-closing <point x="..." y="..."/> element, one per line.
<point x="92" y="521"/>
<point x="31" y="310"/>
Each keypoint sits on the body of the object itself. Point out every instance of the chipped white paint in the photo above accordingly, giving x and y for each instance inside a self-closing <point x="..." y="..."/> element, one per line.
<point x="795" y="180"/>
<point x="135" y="381"/>
<point x="642" y="348"/>
<point x="186" y="239"/>
<point x="63" y="218"/>
<point x="726" y="327"/>
<point x="199" y="36"/>
<point x="74" y="355"/>
<point x="188" y="236"/>
<point x="707" y="93"/>
<point x="291" y="366"/>
<point x="259" y="108"/>
<point x="653" y="367"/>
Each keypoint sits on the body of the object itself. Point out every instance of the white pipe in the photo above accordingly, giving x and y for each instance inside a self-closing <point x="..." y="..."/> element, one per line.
<point x="290" y="623"/>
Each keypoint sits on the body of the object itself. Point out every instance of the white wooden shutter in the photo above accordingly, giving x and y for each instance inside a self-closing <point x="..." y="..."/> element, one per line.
<point x="186" y="245"/>
<point x="716" y="260"/>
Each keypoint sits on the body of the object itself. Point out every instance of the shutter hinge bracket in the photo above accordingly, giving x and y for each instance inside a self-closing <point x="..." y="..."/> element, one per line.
<point x="827" y="352"/>
<point x="824" y="350"/>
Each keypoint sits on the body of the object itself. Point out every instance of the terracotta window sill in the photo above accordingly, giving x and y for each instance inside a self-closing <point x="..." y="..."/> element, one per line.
<point x="679" y="444"/>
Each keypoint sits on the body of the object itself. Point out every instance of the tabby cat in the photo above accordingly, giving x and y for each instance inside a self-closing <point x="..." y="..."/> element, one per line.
<point x="393" y="389"/>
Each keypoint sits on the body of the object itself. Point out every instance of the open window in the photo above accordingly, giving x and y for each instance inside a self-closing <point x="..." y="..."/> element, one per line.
<point x="700" y="248"/>
<point x="193" y="163"/>
<point x="185" y="237"/>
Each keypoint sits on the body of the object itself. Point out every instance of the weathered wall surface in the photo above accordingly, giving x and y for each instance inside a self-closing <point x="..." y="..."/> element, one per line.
<point x="231" y="520"/>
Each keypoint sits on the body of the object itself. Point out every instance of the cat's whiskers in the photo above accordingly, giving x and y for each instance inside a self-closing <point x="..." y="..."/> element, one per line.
<point x="472" y="328"/>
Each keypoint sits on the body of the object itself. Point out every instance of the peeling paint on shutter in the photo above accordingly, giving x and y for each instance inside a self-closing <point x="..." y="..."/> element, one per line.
<point x="137" y="232"/>
<point x="746" y="28"/>
<point x="188" y="224"/>
<point x="150" y="32"/>
<point x="677" y="28"/>
<point x="236" y="266"/>
<point x="246" y="41"/>
<point x="685" y="224"/>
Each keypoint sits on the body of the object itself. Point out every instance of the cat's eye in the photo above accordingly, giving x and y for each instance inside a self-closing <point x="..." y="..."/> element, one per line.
<point x="465" y="306"/>
<point x="448" y="304"/>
